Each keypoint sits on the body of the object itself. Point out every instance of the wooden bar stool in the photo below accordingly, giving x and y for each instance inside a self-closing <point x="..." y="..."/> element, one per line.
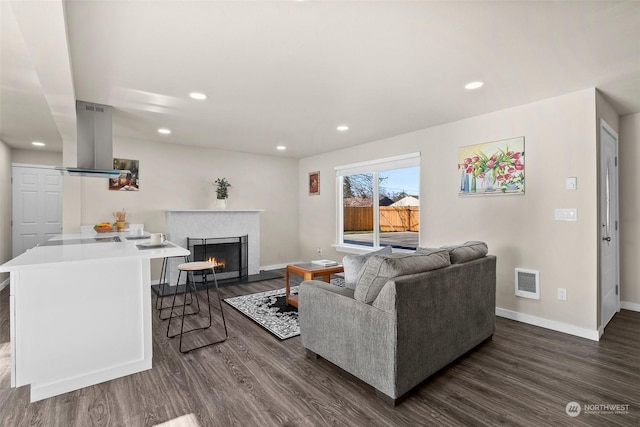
<point x="205" y="268"/>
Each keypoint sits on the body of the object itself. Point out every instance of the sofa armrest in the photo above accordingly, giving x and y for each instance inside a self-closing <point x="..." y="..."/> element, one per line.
<point x="328" y="287"/>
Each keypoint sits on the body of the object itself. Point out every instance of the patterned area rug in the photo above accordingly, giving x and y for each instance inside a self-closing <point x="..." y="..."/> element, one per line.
<point x="269" y="310"/>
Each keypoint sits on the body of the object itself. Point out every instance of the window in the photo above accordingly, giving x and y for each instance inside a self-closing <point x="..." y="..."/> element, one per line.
<point x="379" y="204"/>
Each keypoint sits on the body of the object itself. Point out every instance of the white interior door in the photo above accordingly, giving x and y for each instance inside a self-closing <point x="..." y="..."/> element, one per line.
<point x="609" y="242"/>
<point x="37" y="205"/>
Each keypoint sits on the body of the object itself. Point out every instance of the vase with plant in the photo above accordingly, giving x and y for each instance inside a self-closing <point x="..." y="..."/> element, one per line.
<point x="222" y="192"/>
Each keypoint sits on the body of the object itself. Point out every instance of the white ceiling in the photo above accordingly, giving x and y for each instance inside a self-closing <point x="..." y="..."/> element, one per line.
<point x="289" y="72"/>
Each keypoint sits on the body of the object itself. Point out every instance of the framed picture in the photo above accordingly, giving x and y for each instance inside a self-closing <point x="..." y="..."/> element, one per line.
<point x="314" y="183"/>
<point x="127" y="181"/>
<point x="492" y="168"/>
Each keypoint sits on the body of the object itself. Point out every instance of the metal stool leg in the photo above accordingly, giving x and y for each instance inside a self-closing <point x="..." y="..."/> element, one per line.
<point x="163" y="278"/>
<point x="173" y="304"/>
<point x="187" y="289"/>
<point x="188" y="293"/>
<point x="224" y="323"/>
<point x="164" y="283"/>
<point x="191" y="285"/>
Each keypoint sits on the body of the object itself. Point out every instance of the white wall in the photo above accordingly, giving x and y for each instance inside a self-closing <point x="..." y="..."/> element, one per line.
<point x="630" y="210"/>
<point x="560" y="141"/>
<point x="181" y="177"/>
<point x="36" y="157"/>
<point x="5" y="206"/>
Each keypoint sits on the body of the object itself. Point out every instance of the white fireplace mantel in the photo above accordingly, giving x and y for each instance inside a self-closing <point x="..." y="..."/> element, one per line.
<point x="207" y="223"/>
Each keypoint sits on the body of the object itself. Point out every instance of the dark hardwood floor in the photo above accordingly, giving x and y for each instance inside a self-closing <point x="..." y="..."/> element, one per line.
<point x="525" y="376"/>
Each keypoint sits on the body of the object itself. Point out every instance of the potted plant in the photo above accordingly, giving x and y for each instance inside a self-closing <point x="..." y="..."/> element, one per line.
<point x="222" y="192"/>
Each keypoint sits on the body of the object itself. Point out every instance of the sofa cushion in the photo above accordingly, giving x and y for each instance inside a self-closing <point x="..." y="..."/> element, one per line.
<point x="421" y="250"/>
<point x="353" y="265"/>
<point x="380" y="268"/>
<point x="467" y="251"/>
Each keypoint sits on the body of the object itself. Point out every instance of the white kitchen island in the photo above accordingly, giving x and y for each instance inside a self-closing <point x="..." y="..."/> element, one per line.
<point x="81" y="311"/>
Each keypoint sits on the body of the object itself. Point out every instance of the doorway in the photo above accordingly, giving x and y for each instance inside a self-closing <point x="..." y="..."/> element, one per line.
<point x="37" y="205"/>
<point x="609" y="241"/>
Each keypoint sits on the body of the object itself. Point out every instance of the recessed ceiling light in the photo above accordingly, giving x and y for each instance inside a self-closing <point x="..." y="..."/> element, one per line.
<point x="38" y="143"/>
<point x="281" y="147"/>
<point x="343" y="128"/>
<point x="197" y="95"/>
<point x="164" y="131"/>
<point x="473" y="85"/>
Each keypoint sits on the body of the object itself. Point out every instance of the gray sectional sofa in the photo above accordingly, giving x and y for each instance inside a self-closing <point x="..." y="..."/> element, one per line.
<point x="405" y="317"/>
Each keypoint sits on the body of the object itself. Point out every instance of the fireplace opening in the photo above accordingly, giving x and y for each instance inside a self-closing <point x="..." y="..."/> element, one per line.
<point x="228" y="254"/>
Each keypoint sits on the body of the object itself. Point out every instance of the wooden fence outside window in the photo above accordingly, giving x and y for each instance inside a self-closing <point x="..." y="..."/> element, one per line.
<point x="392" y="218"/>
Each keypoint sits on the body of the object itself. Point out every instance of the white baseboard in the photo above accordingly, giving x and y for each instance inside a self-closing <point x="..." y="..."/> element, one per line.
<point x="4" y="283"/>
<point x="623" y="304"/>
<point x="566" y="328"/>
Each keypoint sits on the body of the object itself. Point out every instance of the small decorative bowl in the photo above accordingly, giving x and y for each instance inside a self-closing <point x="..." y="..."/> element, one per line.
<point x="103" y="229"/>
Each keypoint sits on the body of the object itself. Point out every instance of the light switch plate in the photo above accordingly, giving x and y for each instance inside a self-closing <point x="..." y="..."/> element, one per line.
<point x="566" y="214"/>
<point x="562" y="294"/>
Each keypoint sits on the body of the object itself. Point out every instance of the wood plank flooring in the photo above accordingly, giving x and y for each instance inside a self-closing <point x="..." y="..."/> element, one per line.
<point x="525" y="376"/>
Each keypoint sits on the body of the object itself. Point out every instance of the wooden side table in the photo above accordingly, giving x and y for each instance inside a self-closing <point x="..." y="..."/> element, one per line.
<point x="308" y="271"/>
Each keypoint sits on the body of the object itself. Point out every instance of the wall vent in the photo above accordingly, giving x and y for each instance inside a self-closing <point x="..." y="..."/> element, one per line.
<point x="527" y="283"/>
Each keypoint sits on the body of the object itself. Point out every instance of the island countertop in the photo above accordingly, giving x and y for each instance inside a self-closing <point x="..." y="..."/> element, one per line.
<point x="72" y="248"/>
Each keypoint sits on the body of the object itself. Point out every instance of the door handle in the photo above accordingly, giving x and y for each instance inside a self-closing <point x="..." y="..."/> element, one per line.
<point x="607" y="239"/>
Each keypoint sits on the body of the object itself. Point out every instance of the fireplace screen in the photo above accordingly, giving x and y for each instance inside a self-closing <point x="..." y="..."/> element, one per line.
<point x="228" y="254"/>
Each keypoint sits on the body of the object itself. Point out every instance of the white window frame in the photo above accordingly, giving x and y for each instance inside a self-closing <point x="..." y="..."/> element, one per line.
<point x="374" y="167"/>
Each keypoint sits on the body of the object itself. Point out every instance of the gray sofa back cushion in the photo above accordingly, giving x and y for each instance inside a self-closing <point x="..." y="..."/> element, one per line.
<point x="380" y="268"/>
<point x="467" y="251"/>
<point x="421" y="250"/>
<point x="353" y="265"/>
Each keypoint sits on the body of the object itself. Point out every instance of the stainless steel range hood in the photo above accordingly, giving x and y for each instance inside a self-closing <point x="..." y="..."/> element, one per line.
<point x="95" y="141"/>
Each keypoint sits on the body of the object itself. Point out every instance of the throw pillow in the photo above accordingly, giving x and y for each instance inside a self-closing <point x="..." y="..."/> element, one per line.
<point x="380" y="268"/>
<point x="467" y="251"/>
<point x="353" y="265"/>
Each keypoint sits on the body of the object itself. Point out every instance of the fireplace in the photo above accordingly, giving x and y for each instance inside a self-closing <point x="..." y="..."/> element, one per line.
<point x="213" y="223"/>
<point x="229" y="254"/>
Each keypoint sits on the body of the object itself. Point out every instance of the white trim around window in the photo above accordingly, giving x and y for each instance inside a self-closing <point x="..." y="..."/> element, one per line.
<point x="372" y="166"/>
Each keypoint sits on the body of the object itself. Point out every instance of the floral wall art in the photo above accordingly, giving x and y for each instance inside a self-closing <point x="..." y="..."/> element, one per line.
<point x="492" y="168"/>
